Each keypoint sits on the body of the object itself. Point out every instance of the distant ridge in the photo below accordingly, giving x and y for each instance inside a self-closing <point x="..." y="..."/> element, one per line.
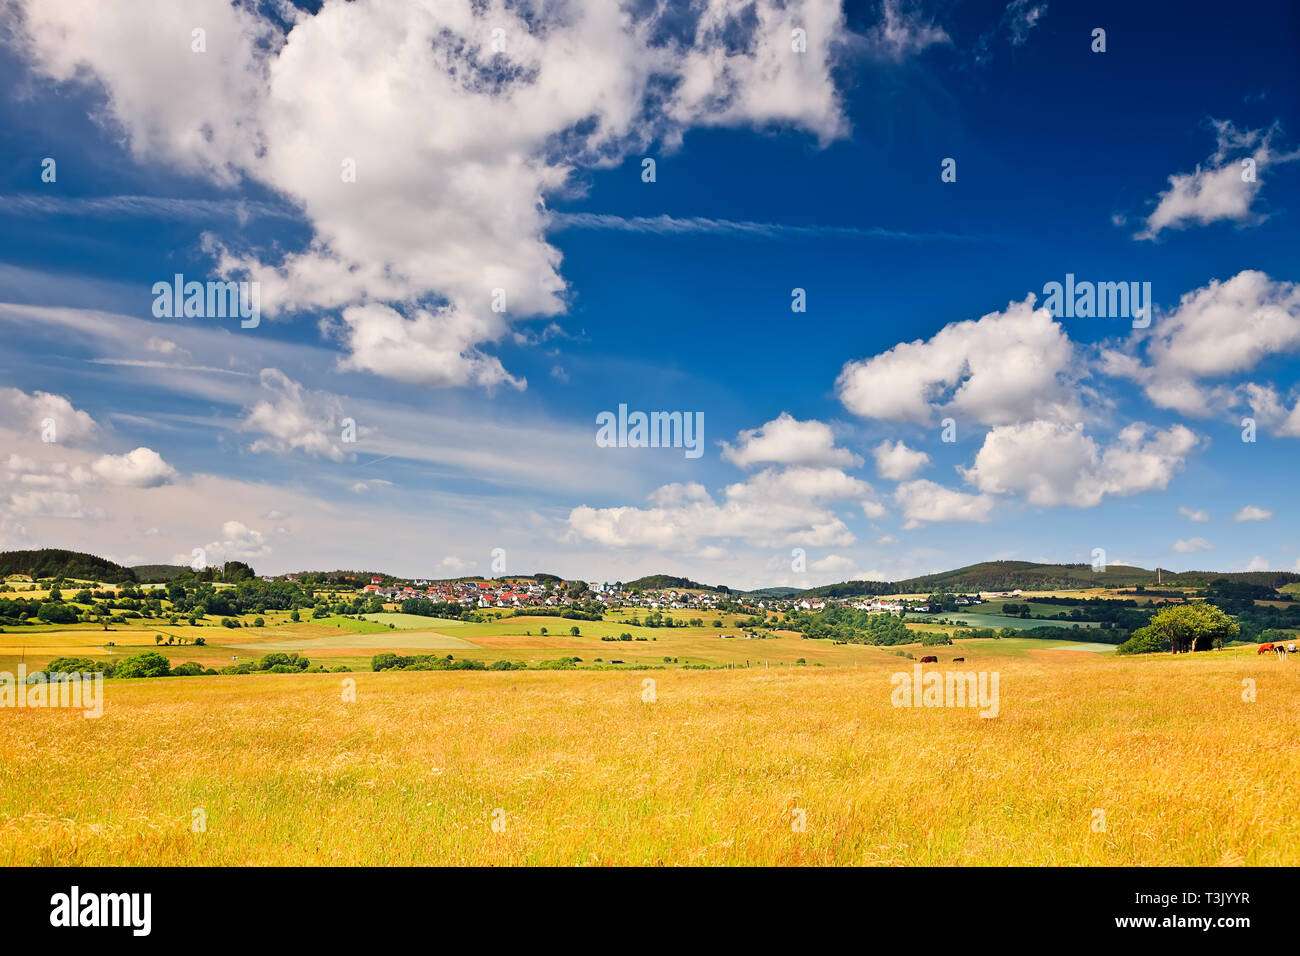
<point x="159" y="573"/>
<point x="55" y="562"/>
<point x="774" y="592"/>
<point x="660" y="581"/>
<point x="985" y="576"/>
<point x="1032" y="576"/>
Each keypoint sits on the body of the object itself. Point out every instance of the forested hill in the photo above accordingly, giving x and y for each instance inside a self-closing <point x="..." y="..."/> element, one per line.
<point x="1007" y="575"/>
<point x="53" y="562"/>
<point x="655" y="582"/>
<point x="159" y="573"/>
<point x="1031" y="576"/>
<point x="985" y="576"/>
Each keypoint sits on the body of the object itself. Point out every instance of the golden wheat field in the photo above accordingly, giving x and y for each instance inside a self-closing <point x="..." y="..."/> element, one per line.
<point x="744" y="766"/>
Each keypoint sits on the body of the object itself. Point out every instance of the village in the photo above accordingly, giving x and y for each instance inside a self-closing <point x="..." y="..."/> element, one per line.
<point x="515" y="593"/>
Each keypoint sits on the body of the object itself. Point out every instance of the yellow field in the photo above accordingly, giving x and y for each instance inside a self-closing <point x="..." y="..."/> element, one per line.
<point x="334" y="640"/>
<point x="576" y="768"/>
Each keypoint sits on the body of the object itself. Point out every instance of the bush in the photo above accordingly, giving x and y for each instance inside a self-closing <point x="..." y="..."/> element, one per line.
<point x="78" y="665"/>
<point x="283" y="663"/>
<point x="148" y="664"/>
<point x="423" y="662"/>
<point x="56" y="613"/>
<point x="229" y="622"/>
<point x="1144" y="641"/>
<point x="192" y="669"/>
<point x="564" y="663"/>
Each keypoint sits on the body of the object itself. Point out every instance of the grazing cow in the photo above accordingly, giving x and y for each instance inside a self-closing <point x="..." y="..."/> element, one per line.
<point x="959" y="659"/>
<point x="930" y="660"/>
<point x="1264" y="648"/>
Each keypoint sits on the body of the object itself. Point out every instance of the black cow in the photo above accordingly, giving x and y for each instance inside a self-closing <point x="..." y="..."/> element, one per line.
<point x="957" y="659"/>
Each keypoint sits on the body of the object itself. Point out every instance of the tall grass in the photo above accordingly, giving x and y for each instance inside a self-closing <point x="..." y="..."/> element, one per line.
<point x="583" y="771"/>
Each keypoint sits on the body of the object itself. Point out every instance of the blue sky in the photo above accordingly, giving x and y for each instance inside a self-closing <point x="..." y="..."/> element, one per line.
<point x="513" y="160"/>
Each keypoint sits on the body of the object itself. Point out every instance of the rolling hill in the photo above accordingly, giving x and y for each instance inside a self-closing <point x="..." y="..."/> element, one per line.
<point x="159" y="573"/>
<point x="55" y="562"/>
<point x="1032" y="576"/>
<point x="985" y="576"/>
<point x="658" y="581"/>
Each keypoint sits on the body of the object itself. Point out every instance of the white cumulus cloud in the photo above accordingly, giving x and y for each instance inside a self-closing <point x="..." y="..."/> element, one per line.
<point x="771" y="508"/>
<point x="291" y="417"/>
<point x="896" y="462"/>
<point x="422" y="139"/>
<point x="1252" y="513"/>
<point x="141" y="468"/>
<point x="1221" y="189"/>
<point x="1001" y="368"/>
<point x="924" y="501"/>
<point x="787" y="441"/>
<point x="1052" y="463"/>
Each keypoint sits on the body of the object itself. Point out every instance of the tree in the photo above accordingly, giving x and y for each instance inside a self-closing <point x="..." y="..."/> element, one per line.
<point x="1181" y="628"/>
<point x="191" y="669"/>
<point x="574" y="631"/>
<point x="52" y="613"/>
<point x="77" y="665"/>
<point x="1143" y="641"/>
<point x="235" y="571"/>
<point x="147" y="664"/>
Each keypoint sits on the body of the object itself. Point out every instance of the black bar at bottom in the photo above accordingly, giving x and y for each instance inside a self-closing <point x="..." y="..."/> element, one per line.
<point x="330" y="905"/>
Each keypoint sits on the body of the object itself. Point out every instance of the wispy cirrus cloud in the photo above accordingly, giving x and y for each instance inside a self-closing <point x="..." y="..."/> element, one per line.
<point x="665" y="225"/>
<point x="242" y="210"/>
<point x="144" y="207"/>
